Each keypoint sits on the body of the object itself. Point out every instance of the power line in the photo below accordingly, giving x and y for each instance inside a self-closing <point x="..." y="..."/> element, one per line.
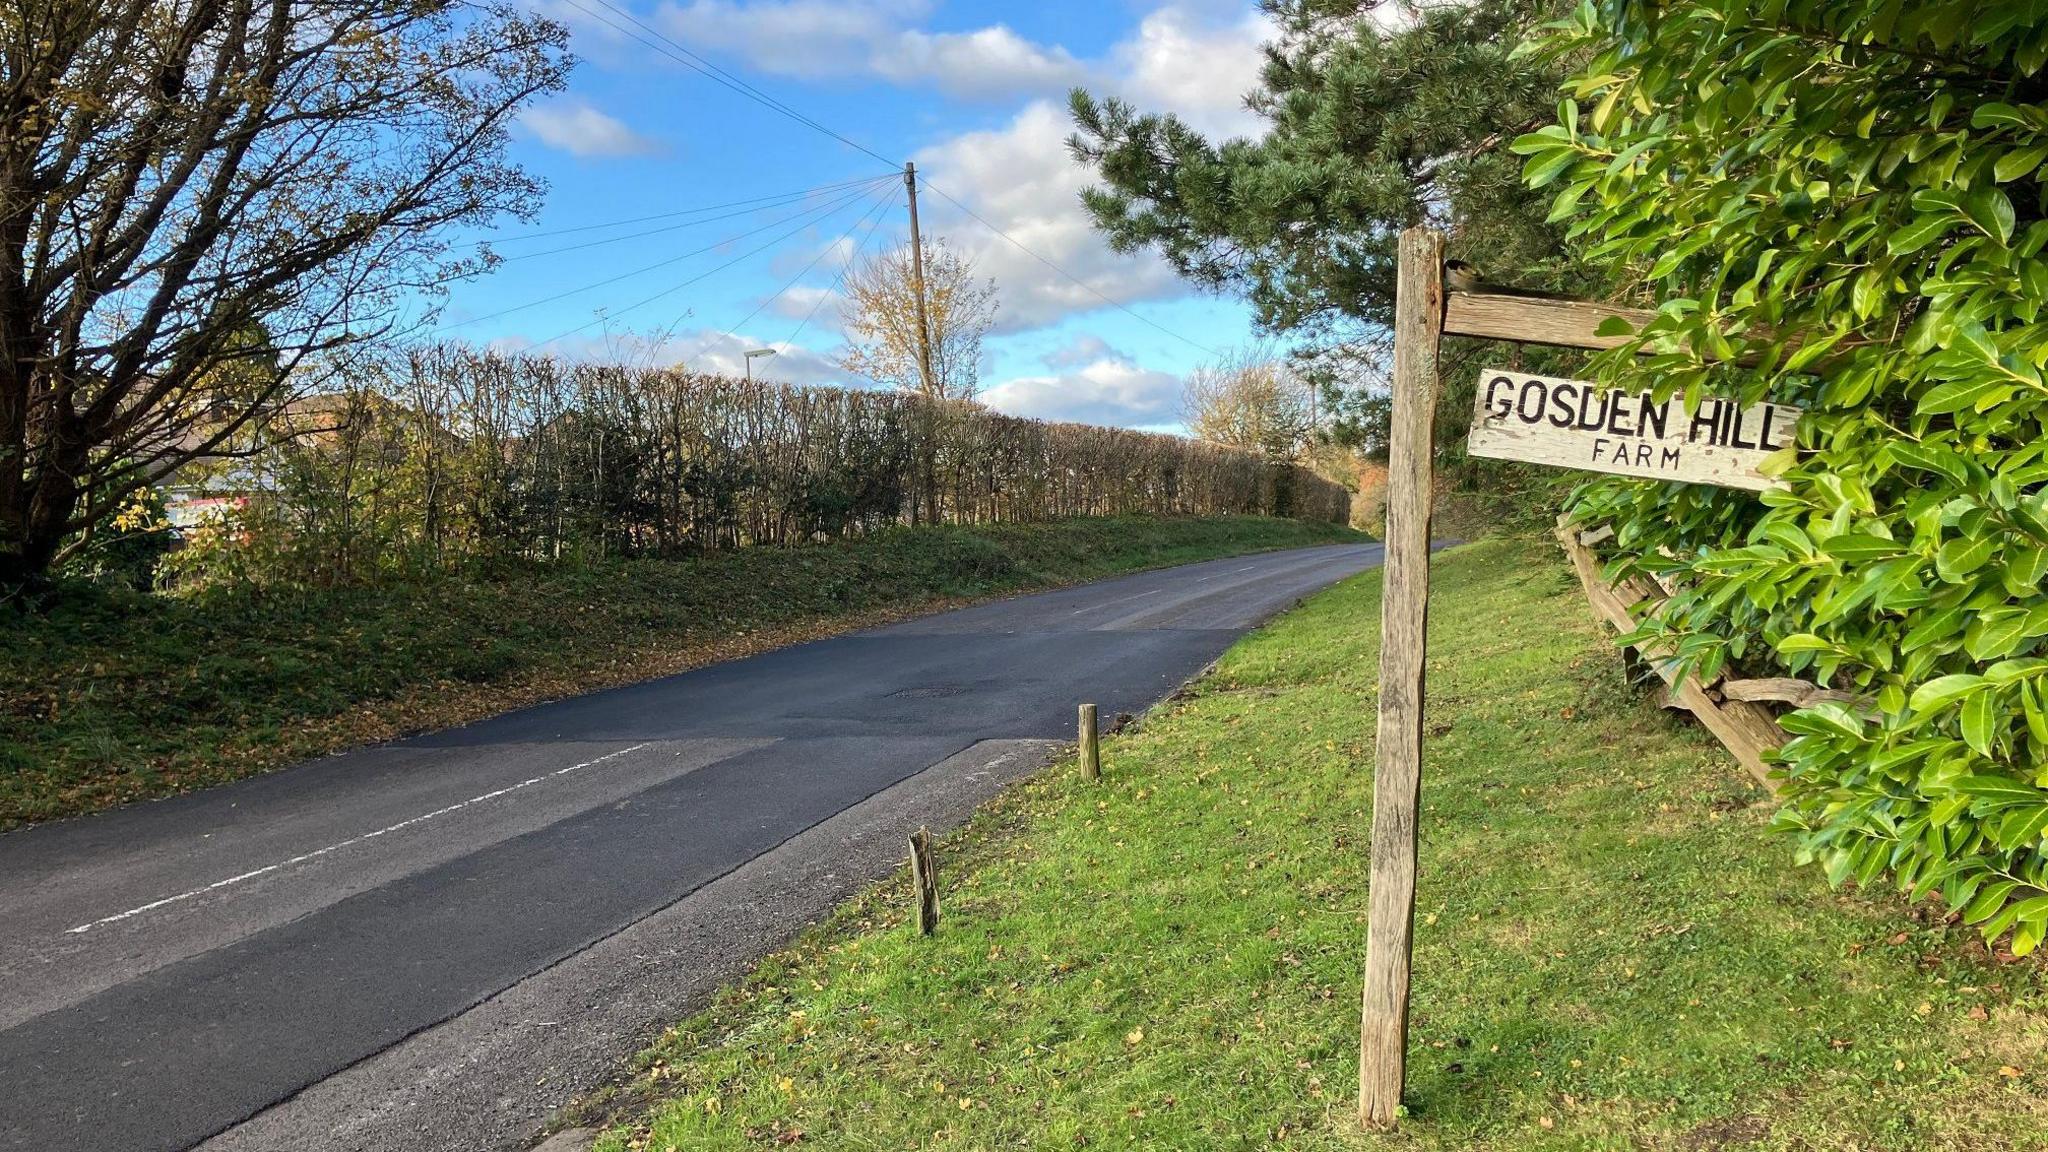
<point x="815" y="218"/>
<point x="1089" y="288"/>
<point x="845" y="270"/>
<point x="758" y="200"/>
<point x="830" y="210"/>
<point x="717" y="75"/>
<point x="874" y="210"/>
<point x="774" y="202"/>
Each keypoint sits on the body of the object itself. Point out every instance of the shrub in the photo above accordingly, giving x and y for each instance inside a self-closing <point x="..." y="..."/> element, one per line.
<point x="1840" y="204"/>
<point x="124" y="549"/>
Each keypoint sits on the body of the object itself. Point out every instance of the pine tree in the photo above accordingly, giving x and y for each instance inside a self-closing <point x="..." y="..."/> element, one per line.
<point x="1379" y="116"/>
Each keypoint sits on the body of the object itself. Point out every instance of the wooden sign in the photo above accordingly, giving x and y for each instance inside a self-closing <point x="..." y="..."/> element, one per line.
<point x="1577" y="424"/>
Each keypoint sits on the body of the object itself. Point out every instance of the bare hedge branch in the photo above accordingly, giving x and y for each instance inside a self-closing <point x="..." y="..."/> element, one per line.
<point x="452" y="453"/>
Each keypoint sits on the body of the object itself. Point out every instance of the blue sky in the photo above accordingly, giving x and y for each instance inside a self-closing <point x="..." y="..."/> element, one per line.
<point x="974" y="93"/>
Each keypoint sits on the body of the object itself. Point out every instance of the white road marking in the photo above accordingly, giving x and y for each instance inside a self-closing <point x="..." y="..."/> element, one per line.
<point x="1118" y="600"/>
<point x="353" y="840"/>
<point x="1221" y="575"/>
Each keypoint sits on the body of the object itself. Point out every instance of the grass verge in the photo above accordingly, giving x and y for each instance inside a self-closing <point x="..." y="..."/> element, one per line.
<point x="110" y="698"/>
<point x="1612" y="952"/>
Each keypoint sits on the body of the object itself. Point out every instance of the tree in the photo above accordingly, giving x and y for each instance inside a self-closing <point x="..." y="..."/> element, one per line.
<point x="176" y="175"/>
<point x="881" y="323"/>
<point x="1251" y="401"/>
<point x="1378" y="115"/>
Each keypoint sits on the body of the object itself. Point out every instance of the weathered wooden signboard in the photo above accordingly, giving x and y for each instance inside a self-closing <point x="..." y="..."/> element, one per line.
<point x="1577" y="424"/>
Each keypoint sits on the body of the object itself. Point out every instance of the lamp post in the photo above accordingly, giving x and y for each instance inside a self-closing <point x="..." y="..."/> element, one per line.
<point x="751" y="354"/>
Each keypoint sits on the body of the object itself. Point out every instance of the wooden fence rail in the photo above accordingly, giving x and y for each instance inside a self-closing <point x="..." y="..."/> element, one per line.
<point x="1746" y="727"/>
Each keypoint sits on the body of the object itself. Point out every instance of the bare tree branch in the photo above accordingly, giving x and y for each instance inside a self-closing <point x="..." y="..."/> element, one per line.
<point x="197" y="196"/>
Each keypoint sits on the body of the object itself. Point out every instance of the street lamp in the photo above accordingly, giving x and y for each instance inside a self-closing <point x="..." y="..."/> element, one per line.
<point x="751" y="354"/>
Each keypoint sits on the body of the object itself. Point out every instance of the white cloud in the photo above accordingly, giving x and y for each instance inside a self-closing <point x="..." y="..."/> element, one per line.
<point x="1022" y="181"/>
<point x="984" y="63"/>
<point x="1104" y="392"/>
<point x="818" y="303"/>
<point x="723" y="353"/>
<point x="1188" y="61"/>
<point x="1083" y="349"/>
<point x="579" y="129"/>
<point x="1196" y="58"/>
<point x="1184" y="58"/>
<point x="804" y="38"/>
<point x="820" y="39"/>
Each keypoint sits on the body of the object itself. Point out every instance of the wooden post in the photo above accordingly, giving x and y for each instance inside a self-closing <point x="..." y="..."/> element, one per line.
<point x="924" y="327"/>
<point x="924" y="881"/>
<point x="1091" y="746"/>
<point x="1404" y="614"/>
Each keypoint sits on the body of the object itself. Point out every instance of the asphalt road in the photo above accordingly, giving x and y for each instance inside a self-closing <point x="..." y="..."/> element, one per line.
<point x="383" y="949"/>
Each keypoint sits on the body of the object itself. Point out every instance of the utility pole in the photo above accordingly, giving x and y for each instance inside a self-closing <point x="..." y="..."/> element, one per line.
<point x="924" y="328"/>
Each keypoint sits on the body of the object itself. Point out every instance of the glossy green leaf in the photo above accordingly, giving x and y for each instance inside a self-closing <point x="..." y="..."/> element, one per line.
<point x="1980" y="716"/>
<point x="1919" y="234"/>
<point x="1960" y="557"/>
<point x="1943" y="690"/>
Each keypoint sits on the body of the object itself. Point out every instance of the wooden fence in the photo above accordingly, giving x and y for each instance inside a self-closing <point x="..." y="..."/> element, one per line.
<point x="1737" y="712"/>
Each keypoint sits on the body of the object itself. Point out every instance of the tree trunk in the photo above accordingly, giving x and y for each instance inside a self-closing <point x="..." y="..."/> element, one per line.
<point x="31" y="537"/>
<point x="36" y="521"/>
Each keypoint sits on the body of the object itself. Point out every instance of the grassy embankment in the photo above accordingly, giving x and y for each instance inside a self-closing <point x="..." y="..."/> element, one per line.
<point x="1612" y="951"/>
<point x="110" y="698"/>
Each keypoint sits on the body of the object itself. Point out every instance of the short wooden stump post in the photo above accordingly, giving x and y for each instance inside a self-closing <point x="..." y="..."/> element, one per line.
<point x="924" y="881"/>
<point x="1091" y="745"/>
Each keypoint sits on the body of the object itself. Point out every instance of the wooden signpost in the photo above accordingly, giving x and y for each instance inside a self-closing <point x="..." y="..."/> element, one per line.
<point x="1404" y="618"/>
<point x="1540" y="420"/>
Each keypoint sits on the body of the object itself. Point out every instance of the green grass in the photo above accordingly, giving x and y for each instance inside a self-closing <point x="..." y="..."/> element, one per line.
<point x="1612" y="952"/>
<point x="109" y="698"/>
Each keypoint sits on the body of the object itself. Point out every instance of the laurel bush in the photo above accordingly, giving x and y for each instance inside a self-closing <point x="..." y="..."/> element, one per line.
<point x="1840" y="204"/>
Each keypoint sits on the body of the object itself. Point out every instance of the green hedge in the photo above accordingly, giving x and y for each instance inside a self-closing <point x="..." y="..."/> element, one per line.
<point x="1847" y="199"/>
